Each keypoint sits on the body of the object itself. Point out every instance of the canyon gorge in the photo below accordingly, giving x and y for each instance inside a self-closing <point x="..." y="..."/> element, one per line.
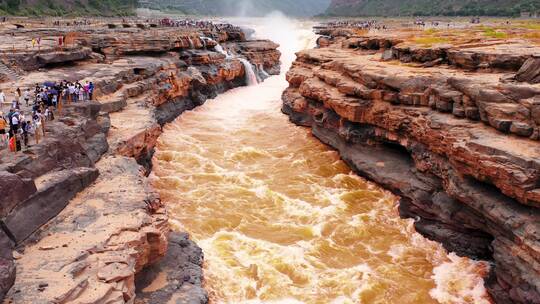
<point x="271" y="160"/>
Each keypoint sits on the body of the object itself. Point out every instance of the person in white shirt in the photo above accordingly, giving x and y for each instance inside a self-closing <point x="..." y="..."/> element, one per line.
<point x="26" y="96"/>
<point x="2" y="97"/>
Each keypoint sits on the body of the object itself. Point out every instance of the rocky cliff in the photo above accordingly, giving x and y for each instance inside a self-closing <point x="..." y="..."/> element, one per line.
<point x="78" y="219"/>
<point x="450" y="129"/>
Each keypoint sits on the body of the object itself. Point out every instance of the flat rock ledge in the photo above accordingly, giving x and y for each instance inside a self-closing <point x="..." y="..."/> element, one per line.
<point x="458" y="145"/>
<point x="79" y="222"/>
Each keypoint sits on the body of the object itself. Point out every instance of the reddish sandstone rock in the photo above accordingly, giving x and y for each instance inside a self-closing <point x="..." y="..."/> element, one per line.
<point x="442" y="135"/>
<point x="529" y="71"/>
<point x="92" y="250"/>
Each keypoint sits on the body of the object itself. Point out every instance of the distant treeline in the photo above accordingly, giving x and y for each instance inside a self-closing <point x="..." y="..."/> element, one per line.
<point x="68" y="7"/>
<point x="508" y="8"/>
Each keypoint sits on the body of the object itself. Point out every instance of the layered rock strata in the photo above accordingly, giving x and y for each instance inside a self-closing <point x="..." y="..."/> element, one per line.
<point x="78" y="218"/>
<point x="460" y="148"/>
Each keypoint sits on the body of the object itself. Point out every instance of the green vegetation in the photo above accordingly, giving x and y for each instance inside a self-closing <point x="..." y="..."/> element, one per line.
<point x="492" y="33"/>
<point x="432" y="7"/>
<point x="68" y="7"/>
<point x="239" y="7"/>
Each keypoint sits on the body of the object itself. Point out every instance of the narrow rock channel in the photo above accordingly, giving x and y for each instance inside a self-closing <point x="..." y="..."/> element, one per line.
<point x="281" y="219"/>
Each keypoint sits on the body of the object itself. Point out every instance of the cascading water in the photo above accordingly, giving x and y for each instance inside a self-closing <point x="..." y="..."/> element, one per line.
<point x="281" y="219"/>
<point x="263" y="72"/>
<point x="251" y="76"/>
<point x="220" y="49"/>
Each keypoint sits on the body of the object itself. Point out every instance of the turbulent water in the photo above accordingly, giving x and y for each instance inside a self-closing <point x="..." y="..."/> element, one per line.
<point x="281" y="219"/>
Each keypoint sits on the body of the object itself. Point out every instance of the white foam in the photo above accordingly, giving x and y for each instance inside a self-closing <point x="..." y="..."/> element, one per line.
<point x="460" y="281"/>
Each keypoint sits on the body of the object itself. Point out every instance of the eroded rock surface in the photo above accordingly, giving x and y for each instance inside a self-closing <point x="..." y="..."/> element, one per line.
<point x="92" y="250"/>
<point x="460" y="148"/>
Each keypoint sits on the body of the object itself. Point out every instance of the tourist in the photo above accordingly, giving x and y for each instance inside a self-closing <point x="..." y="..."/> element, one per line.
<point x="26" y="96"/>
<point x="14" y="123"/>
<point x="48" y="114"/>
<point x="24" y="131"/>
<point x="81" y="92"/>
<point x="2" y="98"/>
<point x="90" y="90"/>
<point x="3" y="125"/>
<point x="37" y="127"/>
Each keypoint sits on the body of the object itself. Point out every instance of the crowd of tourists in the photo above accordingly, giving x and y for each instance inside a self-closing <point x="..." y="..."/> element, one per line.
<point x="363" y="25"/>
<point x="30" y="110"/>
<point x="199" y="24"/>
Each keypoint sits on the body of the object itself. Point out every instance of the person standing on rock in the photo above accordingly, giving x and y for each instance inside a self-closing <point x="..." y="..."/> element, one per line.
<point x="24" y="132"/>
<point x="71" y="92"/>
<point x="36" y="126"/>
<point x="2" y="98"/>
<point x="90" y="90"/>
<point x="82" y="94"/>
<point x="14" y="125"/>
<point x="26" y="96"/>
<point x="3" y="125"/>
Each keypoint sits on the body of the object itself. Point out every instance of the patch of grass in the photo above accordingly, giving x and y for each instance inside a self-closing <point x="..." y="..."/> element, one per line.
<point x="492" y="33"/>
<point x="431" y="31"/>
<point x="428" y="41"/>
<point x="532" y="26"/>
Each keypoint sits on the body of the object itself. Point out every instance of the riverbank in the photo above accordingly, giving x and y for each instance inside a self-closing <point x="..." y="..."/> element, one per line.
<point x="78" y="209"/>
<point x="447" y="120"/>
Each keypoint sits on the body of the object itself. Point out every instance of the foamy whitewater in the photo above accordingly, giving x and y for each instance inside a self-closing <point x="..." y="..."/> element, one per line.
<point x="281" y="219"/>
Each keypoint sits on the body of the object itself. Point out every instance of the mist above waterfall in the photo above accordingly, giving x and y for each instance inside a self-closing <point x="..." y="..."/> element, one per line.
<point x="248" y="8"/>
<point x="244" y="8"/>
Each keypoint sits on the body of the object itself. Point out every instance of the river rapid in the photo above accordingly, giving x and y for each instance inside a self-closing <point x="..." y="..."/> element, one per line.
<point x="280" y="218"/>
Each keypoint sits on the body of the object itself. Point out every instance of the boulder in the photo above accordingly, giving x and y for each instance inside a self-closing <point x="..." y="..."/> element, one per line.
<point x="529" y="71"/>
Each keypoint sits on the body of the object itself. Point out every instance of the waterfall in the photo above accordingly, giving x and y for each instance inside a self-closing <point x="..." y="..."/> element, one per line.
<point x="205" y="40"/>
<point x="251" y="77"/>
<point x="263" y="72"/>
<point x="220" y="49"/>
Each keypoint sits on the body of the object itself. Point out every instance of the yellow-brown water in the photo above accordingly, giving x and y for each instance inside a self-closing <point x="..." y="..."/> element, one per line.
<point x="281" y="219"/>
